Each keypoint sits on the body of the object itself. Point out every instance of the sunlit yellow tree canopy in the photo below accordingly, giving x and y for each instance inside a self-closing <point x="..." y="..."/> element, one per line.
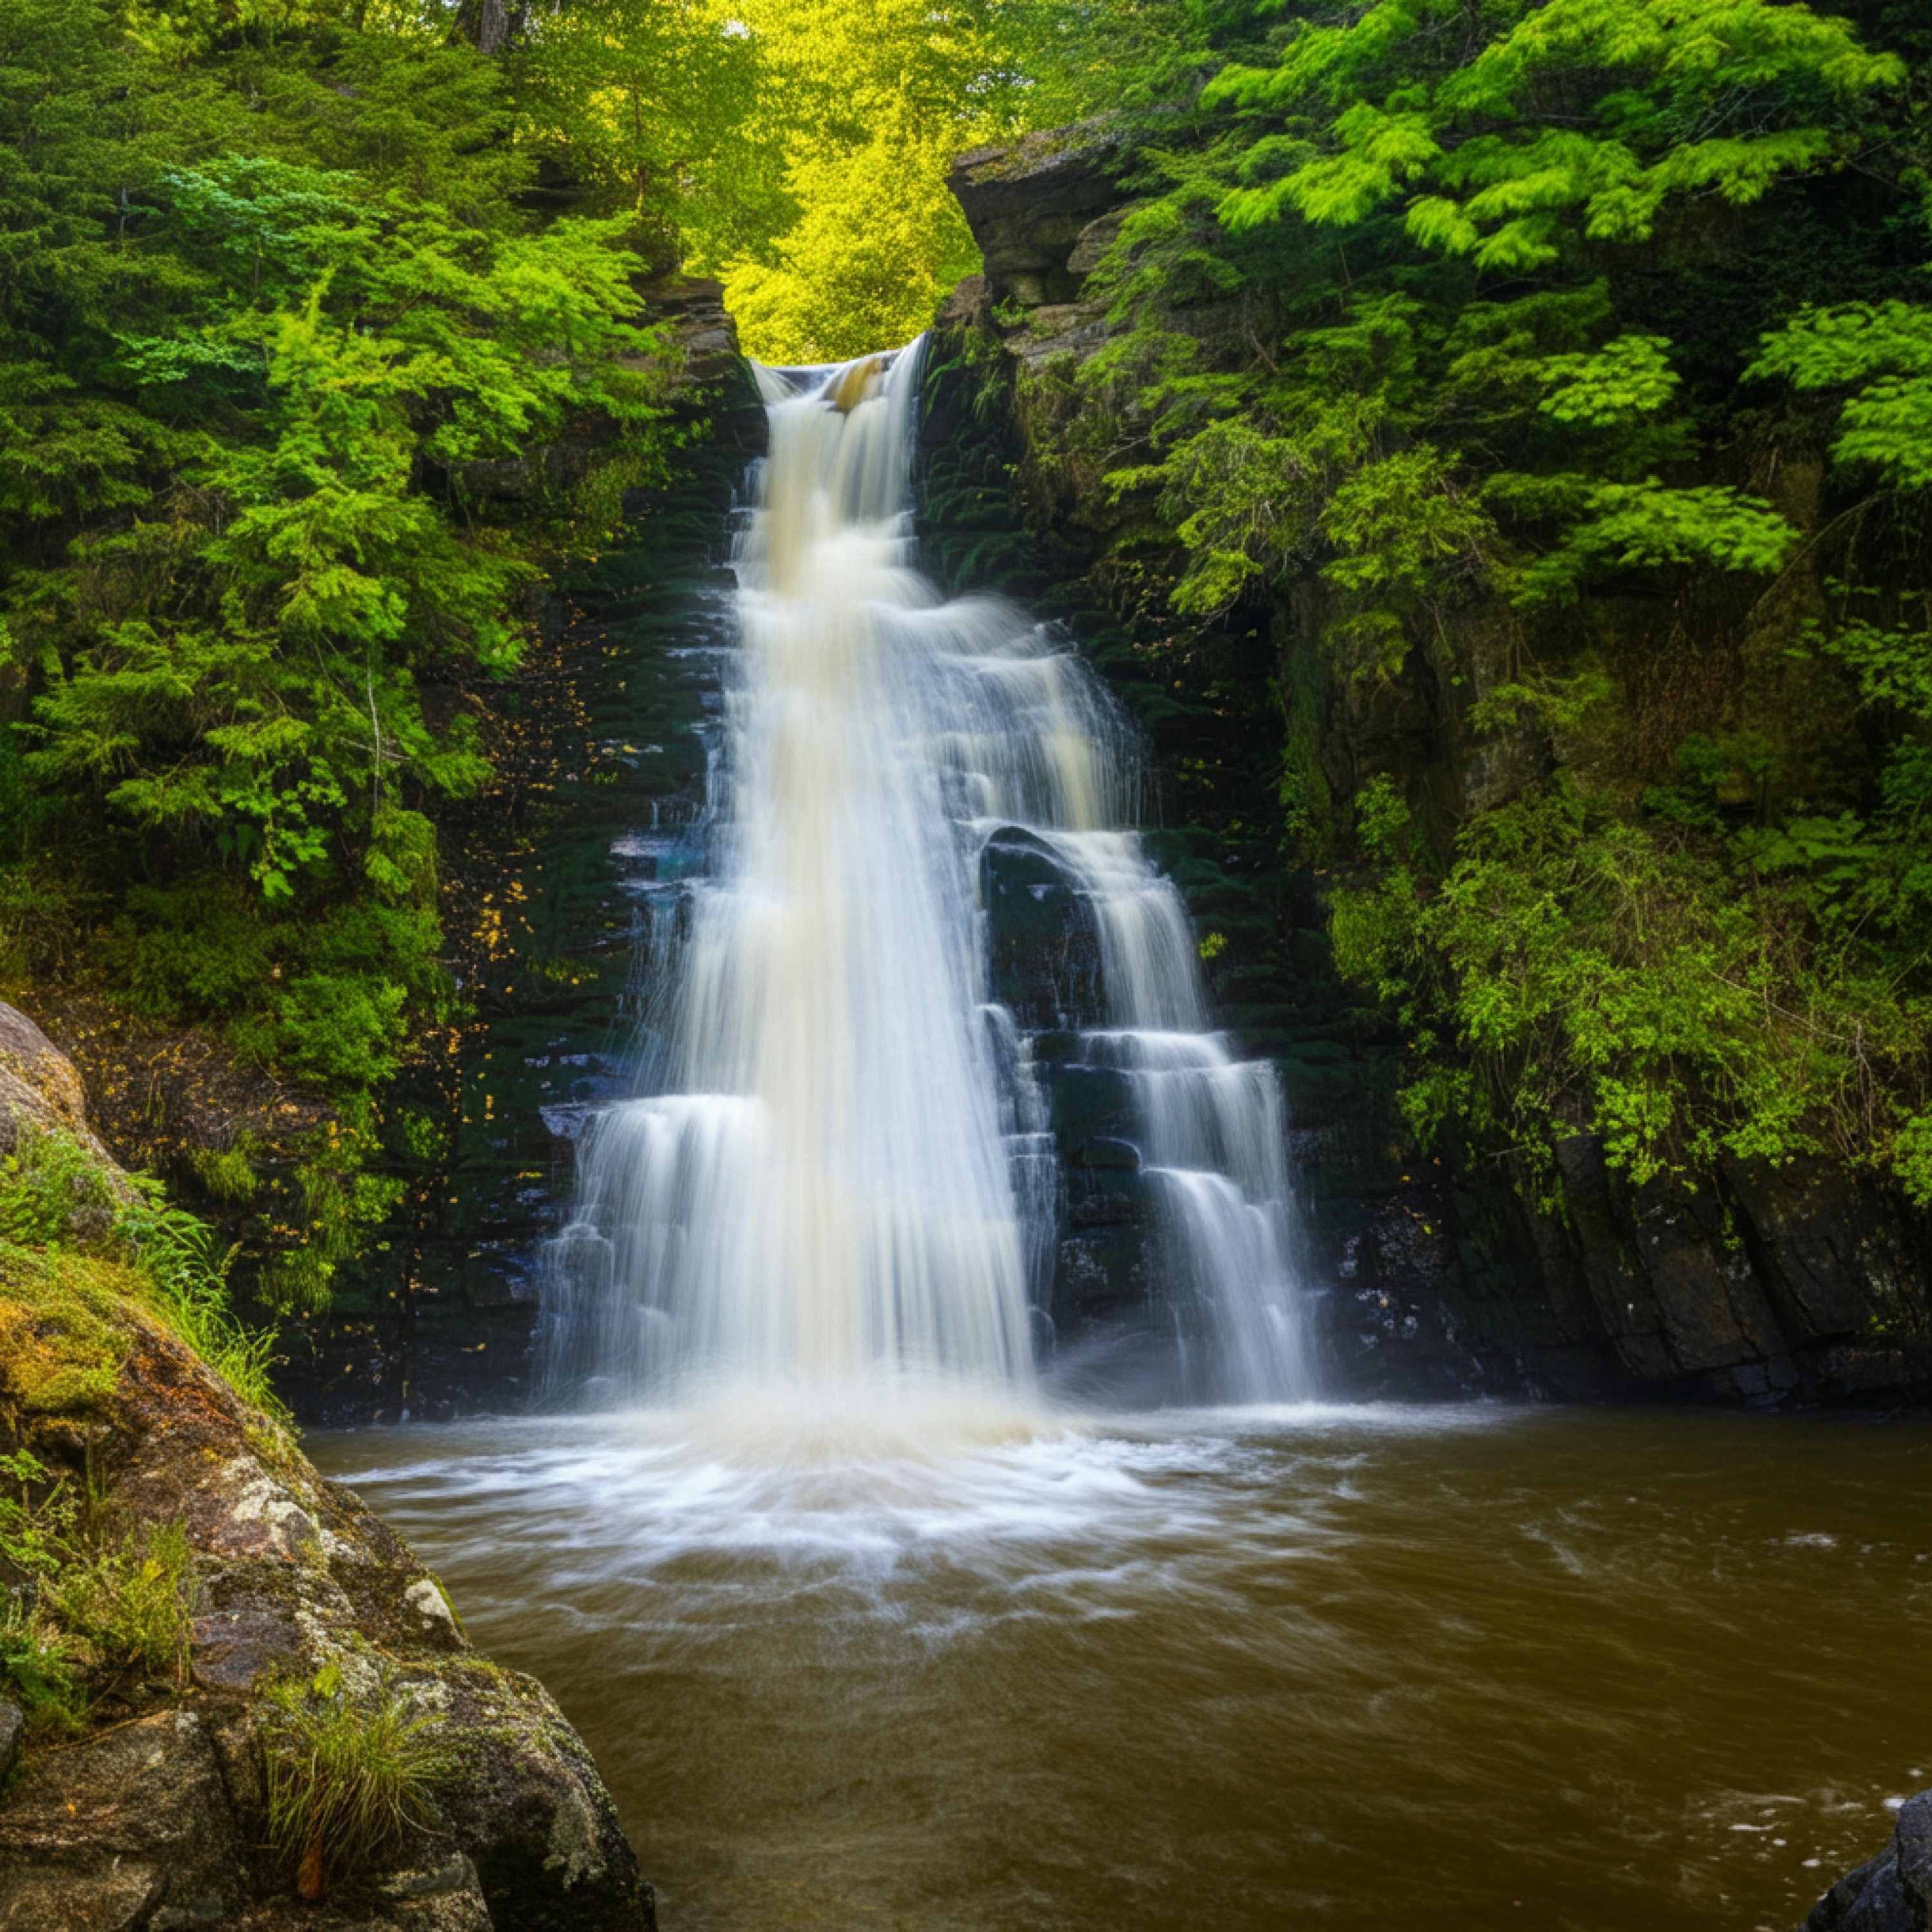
<point x="798" y="149"/>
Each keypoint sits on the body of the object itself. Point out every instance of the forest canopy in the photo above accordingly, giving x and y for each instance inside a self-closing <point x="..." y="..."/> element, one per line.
<point x="1555" y="371"/>
<point x="323" y="356"/>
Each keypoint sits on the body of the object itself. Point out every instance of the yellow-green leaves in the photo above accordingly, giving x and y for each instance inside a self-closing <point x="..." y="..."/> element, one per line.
<point x="1631" y="375"/>
<point x="1881" y="354"/>
<point x="1381" y="153"/>
<point x="1574" y="118"/>
<point x="863" y="104"/>
<point x="1648" y="525"/>
<point x="880" y="242"/>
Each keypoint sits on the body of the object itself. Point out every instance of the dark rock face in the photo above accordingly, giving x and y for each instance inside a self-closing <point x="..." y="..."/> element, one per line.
<point x="1756" y="1286"/>
<point x="1038" y="209"/>
<point x="1045" y="950"/>
<point x="1890" y="1893"/>
<point x="700" y="324"/>
<point x="115" y="1831"/>
<point x="597" y="814"/>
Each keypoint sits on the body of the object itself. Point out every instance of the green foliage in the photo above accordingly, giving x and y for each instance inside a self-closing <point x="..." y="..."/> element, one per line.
<point x="41" y="1666"/>
<point x="1629" y="377"/>
<point x="304" y="388"/>
<point x="341" y="1204"/>
<point x="1879" y="355"/>
<point x="267" y="700"/>
<point x="346" y="1776"/>
<point x="1596" y="979"/>
<point x="1485" y="352"/>
<point x="187" y="1271"/>
<point x="52" y="1190"/>
<point x="880" y="242"/>
<point x="1448" y="405"/>
<point x="98" y="1248"/>
<point x="91" y="1609"/>
<point x="860" y="105"/>
<point x="128" y="1602"/>
<point x="1681" y="992"/>
<point x="1647" y="525"/>
<point x="1455" y="128"/>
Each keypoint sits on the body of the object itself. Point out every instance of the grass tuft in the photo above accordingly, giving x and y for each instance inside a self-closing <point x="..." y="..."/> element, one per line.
<point x="75" y="1249"/>
<point x="346" y="1780"/>
<point x="187" y="1271"/>
<point x="95" y="1608"/>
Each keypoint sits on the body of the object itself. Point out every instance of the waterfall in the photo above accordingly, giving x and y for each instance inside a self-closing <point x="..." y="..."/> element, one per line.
<point x="849" y="1173"/>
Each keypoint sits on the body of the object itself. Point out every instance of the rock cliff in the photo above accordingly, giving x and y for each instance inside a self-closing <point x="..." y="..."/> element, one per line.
<point x="149" y="1808"/>
<point x="1745" y="1283"/>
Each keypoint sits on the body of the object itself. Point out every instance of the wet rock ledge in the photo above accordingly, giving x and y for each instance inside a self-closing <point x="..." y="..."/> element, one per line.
<point x="150" y="1812"/>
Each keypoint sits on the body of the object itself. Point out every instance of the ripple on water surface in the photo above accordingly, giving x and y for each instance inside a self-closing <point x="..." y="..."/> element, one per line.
<point x="943" y="1663"/>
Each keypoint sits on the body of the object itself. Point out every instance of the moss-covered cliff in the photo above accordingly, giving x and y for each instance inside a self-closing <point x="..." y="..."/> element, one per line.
<point x="1580" y="917"/>
<point x="228" y="1692"/>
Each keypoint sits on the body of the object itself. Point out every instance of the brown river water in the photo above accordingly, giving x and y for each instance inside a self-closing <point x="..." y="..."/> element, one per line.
<point x="942" y="1667"/>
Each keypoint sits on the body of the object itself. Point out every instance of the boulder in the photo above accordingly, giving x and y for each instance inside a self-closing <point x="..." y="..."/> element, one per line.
<point x="158" y="1823"/>
<point x="1035" y="207"/>
<point x="120" y="1829"/>
<point x="39" y="1087"/>
<point x="1890" y="1893"/>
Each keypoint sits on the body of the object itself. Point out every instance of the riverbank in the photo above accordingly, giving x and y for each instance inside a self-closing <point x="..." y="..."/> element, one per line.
<point x="232" y="1693"/>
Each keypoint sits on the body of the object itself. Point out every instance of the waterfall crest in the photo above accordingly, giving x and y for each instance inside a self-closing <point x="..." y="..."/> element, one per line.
<point x="849" y="1174"/>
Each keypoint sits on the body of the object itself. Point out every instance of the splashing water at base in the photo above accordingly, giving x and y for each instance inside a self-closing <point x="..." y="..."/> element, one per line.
<point x="848" y="1178"/>
<point x="961" y="1668"/>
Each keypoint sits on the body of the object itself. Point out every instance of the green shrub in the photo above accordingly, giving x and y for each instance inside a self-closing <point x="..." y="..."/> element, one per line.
<point x="100" y="1608"/>
<point x="50" y="1186"/>
<point x="227" y="1174"/>
<point x="130" y="1602"/>
<point x="39" y="1664"/>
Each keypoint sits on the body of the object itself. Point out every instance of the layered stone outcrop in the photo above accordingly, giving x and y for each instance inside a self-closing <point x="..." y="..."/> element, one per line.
<point x="1041" y="210"/>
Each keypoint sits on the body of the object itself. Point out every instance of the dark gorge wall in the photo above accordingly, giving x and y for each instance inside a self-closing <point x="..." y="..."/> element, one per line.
<point x="557" y="884"/>
<point x="1446" y="1270"/>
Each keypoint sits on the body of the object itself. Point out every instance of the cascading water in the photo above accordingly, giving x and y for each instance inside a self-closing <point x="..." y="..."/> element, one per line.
<point x="849" y="1174"/>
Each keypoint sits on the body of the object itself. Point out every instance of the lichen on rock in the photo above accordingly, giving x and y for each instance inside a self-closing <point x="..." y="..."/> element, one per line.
<point x="146" y="1811"/>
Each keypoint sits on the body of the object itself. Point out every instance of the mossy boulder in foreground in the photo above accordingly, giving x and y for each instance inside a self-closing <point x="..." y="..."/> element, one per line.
<point x="190" y="1786"/>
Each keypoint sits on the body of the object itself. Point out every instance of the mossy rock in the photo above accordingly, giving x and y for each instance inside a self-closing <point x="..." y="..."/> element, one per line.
<point x="65" y="1329"/>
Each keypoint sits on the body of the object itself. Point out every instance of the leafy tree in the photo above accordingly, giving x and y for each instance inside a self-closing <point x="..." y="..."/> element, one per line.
<point x="867" y="104"/>
<point x="277" y="346"/>
<point x="1400" y="340"/>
